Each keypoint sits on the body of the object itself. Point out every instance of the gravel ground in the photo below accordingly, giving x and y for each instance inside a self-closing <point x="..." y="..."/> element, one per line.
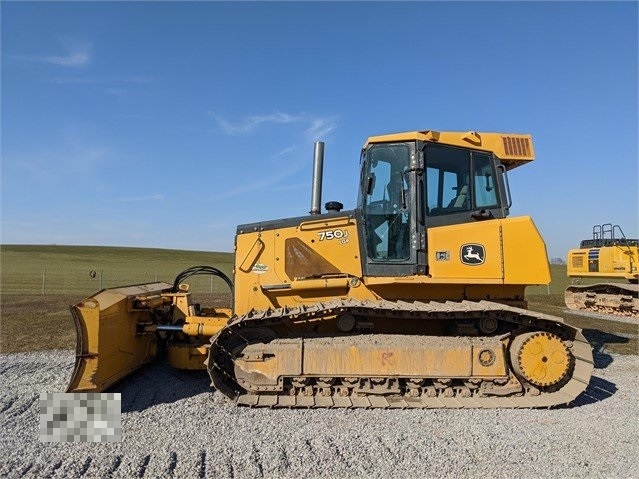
<point x="174" y="425"/>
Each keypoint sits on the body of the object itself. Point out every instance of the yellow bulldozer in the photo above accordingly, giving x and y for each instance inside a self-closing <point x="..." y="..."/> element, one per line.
<point x="414" y="299"/>
<point x="609" y="254"/>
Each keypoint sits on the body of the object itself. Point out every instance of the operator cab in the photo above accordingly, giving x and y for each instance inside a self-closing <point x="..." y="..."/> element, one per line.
<point x="411" y="184"/>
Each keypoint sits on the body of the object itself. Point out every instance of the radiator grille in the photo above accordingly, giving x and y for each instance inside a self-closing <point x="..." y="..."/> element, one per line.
<point x="516" y="146"/>
<point x="578" y="261"/>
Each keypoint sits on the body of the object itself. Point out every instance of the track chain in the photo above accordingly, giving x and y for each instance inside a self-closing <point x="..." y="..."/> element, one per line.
<point x="618" y="299"/>
<point x="220" y="359"/>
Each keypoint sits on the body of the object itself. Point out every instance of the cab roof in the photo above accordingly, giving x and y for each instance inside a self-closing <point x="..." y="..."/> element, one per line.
<point x="513" y="149"/>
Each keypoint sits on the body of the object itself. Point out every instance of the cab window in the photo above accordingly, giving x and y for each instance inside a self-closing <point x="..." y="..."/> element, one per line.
<point x="458" y="180"/>
<point x="386" y="202"/>
<point x="484" y="184"/>
<point x="447" y="180"/>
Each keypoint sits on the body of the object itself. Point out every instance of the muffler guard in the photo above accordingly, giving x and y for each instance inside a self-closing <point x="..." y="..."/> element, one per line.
<point x="109" y="345"/>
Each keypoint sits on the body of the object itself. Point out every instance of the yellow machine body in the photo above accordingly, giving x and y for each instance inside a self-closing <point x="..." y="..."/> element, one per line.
<point x="608" y="255"/>
<point x="273" y="274"/>
<point x="615" y="261"/>
<point x="415" y="298"/>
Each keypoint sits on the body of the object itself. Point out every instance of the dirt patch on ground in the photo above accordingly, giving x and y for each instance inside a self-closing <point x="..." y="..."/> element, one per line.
<point x="33" y="322"/>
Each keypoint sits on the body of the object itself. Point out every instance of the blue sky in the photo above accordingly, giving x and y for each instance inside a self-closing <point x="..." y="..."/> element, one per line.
<point x="160" y="124"/>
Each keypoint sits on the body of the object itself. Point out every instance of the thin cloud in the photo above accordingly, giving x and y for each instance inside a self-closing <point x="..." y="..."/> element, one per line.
<point x="48" y="166"/>
<point x="290" y="187"/>
<point x="72" y="60"/>
<point x="286" y="151"/>
<point x="267" y="182"/>
<point x="320" y="127"/>
<point x="251" y="123"/>
<point x="101" y="81"/>
<point x="77" y="54"/>
<point x="310" y="129"/>
<point x="316" y="127"/>
<point x="137" y="199"/>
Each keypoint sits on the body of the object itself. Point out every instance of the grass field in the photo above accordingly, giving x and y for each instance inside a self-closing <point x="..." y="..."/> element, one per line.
<point x="30" y="320"/>
<point x="26" y="269"/>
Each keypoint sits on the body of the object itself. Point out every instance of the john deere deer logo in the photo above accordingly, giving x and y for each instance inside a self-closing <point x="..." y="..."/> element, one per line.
<point x="472" y="254"/>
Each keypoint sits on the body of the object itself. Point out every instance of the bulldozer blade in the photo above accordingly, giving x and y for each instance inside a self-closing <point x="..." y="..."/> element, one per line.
<point x="109" y="344"/>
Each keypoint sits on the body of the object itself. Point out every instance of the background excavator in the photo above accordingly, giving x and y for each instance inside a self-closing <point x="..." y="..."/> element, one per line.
<point x="609" y="254"/>
<point x="415" y="298"/>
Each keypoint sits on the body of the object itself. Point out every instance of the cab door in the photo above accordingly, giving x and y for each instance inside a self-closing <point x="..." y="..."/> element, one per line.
<point x="462" y="197"/>
<point x="387" y="206"/>
<point x="461" y="186"/>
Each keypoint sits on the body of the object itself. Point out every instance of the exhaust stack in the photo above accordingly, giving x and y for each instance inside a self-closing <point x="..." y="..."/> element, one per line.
<point x="318" y="167"/>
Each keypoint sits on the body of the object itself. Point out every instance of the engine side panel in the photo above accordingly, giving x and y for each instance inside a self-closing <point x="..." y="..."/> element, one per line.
<point x="320" y="258"/>
<point x="500" y="251"/>
<point x="604" y="262"/>
<point x="282" y="266"/>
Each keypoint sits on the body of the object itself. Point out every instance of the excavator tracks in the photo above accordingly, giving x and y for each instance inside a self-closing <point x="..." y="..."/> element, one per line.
<point x="523" y="382"/>
<point x="618" y="299"/>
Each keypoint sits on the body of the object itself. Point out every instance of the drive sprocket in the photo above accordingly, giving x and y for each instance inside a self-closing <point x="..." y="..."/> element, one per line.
<point x="541" y="358"/>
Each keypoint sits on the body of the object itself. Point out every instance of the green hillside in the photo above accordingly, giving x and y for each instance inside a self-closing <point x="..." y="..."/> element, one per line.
<point x="68" y="269"/>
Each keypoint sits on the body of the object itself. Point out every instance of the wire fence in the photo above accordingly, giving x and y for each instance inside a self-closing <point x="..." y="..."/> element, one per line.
<point x="87" y="282"/>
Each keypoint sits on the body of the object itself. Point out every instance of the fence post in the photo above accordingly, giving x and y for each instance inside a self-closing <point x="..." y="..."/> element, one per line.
<point x="44" y="280"/>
